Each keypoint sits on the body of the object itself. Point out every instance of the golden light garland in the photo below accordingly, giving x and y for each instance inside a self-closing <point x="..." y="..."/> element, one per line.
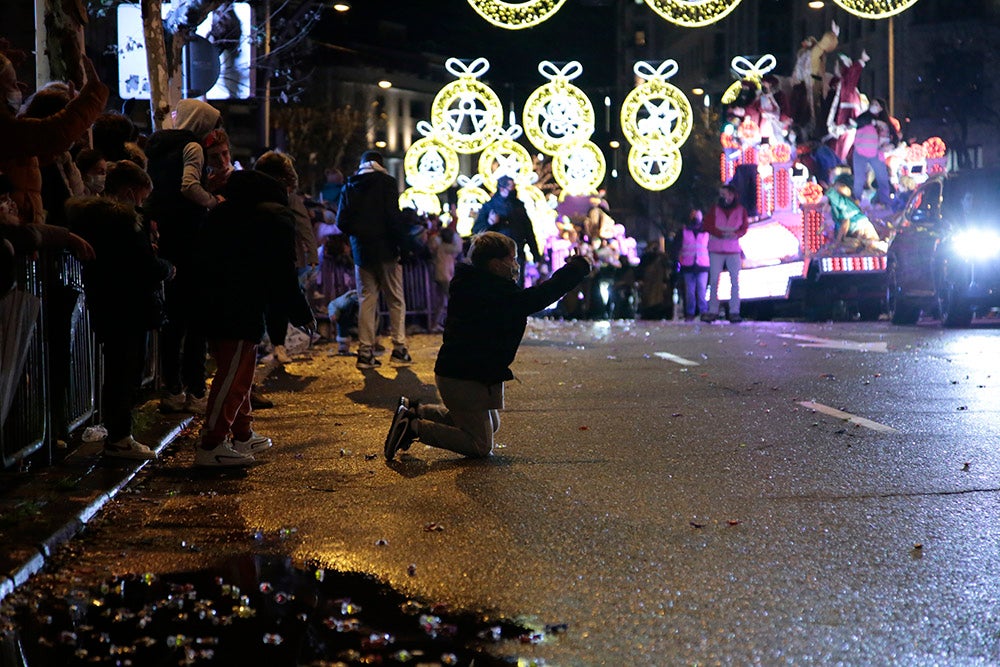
<point x="558" y="114"/>
<point x="652" y="169"/>
<point x="579" y="169"/>
<point x="656" y="111"/>
<point x="693" y="13"/>
<point x="505" y="157"/>
<point x="875" y="9"/>
<point x="516" y="15"/>
<point x="467" y="113"/>
<point x="430" y="165"/>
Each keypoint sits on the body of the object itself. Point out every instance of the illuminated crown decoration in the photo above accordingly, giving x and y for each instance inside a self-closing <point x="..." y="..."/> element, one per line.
<point x="466" y="113"/>
<point x="516" y="15"/>
<point x="429" y="164"/>
<point x="558" y="114"/>
<point x="875" y="9"/>
<point x="505" y="157"/>
<point x="748" y="71"/>
<point x="693" y="13"/>
<point x="656" y="119"/>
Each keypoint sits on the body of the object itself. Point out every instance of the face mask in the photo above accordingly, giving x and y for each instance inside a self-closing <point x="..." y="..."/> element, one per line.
<point x="95" y="183"/>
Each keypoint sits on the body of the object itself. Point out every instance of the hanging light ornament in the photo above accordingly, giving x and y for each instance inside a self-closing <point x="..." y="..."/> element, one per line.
<point x="466" y="113"/>
<point x="505" y="157"/>
<point x="747" y="71"/>
<point x="423" y="202"/>
<point x="469" y="199"/>
<point x="656" y="119"/>
<point x="516" y="15"/>
<point x="429" y="164"/>
<point x="579" y="169"/>
<point x="875" y="9"/>
<point x="693" y="13"/>
<point x="558" y="114"/>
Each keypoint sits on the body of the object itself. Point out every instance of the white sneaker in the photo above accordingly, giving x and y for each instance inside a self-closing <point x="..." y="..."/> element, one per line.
<point x="252" y="445"/>
<point x="195" y="405"/>
<point x="281" y="355"/>
<point x="222" y="456"/>
<point x="173" y="402"/>
<point x="129" y="448"/>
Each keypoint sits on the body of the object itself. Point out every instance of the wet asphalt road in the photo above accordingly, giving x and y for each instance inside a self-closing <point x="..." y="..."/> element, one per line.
<point x="659" y="488"/>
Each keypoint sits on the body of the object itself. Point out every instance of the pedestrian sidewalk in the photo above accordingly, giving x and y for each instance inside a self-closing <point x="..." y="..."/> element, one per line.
<point x="44" y="507"/>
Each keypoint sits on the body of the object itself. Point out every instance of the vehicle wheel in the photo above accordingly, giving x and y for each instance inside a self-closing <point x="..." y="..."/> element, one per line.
<point x="870" y="310"/>
<point x="955" y="312"/>
<point x="901" y="309"/>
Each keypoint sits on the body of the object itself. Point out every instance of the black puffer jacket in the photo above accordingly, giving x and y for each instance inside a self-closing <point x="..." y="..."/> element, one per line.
<point x="486" y="318"/>
<point x="369" y="213"/>
<point x="123" y="284"/>
<point x="246" y="260"/>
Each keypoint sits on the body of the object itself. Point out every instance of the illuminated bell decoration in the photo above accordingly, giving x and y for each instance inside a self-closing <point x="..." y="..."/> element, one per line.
<point x="655" y="111"/>
<point x="579" y="169"/>
<point x="652" y="169"/>
<point x="505" y="157"/>
<point x="516" y="15"/>
<point x="810" y="193"/>
<point x="934" y="148"/>
<point x="558" y="114"/>
<point x="430" y="165"/>
<point x="693" y="13"/>
<point x="875" y="9"/>
<point x="466" y="113"/>
<point x="424" y="202"/>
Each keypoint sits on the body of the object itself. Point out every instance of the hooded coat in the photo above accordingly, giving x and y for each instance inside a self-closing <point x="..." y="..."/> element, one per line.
<point x="369" y="213"/>
<point x="123" y="283"/>
<point x="245" y="260"/>
<point x="487" y="315"/>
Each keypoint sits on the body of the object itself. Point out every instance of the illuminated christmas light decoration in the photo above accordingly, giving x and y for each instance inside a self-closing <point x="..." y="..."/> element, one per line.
<point x="505" y="157"/>
<point x="875" y="9"/>
<point x="782" y="189"/>
<point x="558" y="114"/>
<point x="425" y="203"/>
<point x="934" y="147"/>
<point x="810" y="194"/>
<point x="916" y="153"/>
<point x="781" y="153"/>
<point x="812" y="227"/>
<point x="655" y="111"/>
<point x="693" y="13"/>
<point x="579" y="169"/>
<point x="516" y="15"/>
<point x="469" y="199"/>
<point x="654" y="169"/>
<point x="467" y="113"/>
<point x="745" y="70"/>
<point x="429" y="164"/>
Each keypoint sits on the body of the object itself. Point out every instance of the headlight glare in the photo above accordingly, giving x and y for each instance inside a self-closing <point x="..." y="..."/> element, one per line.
<point x="977" y="243"/>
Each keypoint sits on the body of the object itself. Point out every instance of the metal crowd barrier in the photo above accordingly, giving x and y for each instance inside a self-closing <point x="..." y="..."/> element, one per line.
<point x="417" y="292"/>
<point x="23" y="390"/>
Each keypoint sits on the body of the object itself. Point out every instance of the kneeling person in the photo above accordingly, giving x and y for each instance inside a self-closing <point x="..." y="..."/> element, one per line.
<point x="487" y="315"/>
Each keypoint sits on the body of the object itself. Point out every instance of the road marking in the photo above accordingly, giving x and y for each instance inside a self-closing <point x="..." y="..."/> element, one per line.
<point x="847" y="416"/>
<point x="677" y="360"/>
<point x="832" y="344"/>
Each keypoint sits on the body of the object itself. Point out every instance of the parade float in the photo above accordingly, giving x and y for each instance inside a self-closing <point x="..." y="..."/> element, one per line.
<point x="791" y="262"/>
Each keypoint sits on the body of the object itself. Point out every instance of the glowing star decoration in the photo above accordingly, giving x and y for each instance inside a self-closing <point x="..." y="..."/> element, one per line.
<point x="656" y="112"/>
<point x="466" y="113"/>
<point x="505" y="157"/>
<point x="654" y="168"/>
<point x="579" y="169"/>
<point x="693" y="13"/>
<point x="420" y="200"/>
<point x="516" y="15"/>
<point x="875" y="9"/>
<point x="430" y="165"/>
<point x="558" y="114"/>
<point x="747" y="71"/>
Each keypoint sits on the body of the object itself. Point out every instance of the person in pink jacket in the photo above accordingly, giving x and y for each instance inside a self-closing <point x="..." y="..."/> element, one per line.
<point x="725" y="223"/>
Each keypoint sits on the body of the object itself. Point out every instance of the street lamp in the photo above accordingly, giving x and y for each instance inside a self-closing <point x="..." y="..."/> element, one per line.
<point x="385" y="84"/>
<point x="816" y="4"/>
<point x="341" y="6"/>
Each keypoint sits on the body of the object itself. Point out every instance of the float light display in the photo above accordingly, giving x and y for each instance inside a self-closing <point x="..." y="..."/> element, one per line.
<point x="516" y="15"/>
<point x="467" y="113"/>
<point x="875" y="9"/>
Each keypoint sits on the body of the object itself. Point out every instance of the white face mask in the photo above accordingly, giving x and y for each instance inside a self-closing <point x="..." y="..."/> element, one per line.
<point x="95" y="183"/>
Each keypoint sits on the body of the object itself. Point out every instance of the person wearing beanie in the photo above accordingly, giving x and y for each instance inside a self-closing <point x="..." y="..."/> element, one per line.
<point x="369" y="213"/>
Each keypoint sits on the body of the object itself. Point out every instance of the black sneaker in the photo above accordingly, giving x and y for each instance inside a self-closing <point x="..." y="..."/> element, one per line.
<point x="366" y="361"/>
<point x="401" y="355"/>
<point x="735" y="319"/>
<point x="709" y="317"/>
<point x="400" y="435"/>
